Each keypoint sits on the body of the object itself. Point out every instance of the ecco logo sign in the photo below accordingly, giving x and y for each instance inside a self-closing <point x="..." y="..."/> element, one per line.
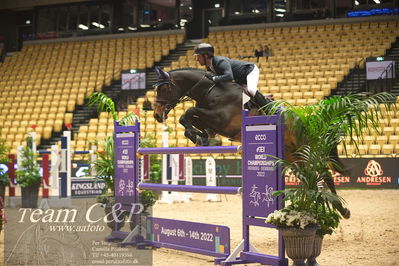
<point x="260" y="137"/>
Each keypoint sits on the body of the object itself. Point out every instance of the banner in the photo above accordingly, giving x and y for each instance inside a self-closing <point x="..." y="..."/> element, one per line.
<point x="364" y="173"/>
<point x="86" y="187"/>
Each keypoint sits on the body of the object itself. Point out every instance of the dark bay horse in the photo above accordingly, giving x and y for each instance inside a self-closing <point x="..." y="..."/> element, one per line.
<point x="218" y="106"/>
<point x="218" y="109"/>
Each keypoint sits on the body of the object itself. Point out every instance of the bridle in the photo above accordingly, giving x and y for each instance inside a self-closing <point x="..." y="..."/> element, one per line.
<point x="167" y="101"/>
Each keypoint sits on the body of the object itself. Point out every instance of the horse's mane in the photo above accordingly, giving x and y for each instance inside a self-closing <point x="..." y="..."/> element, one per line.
<point x="186" y="68"/>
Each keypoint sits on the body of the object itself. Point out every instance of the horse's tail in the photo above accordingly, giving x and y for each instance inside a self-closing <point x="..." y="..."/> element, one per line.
<point x="345" y="212"/>
<point x="344" y="170"/>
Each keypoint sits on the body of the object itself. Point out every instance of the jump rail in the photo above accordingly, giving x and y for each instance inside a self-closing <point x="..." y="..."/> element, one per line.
<point x="187" y="188"/>
<point x="190" y="150"/>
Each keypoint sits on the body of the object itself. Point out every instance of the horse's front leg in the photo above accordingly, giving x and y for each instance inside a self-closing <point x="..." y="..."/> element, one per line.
<point x="199" y="117"/>
<point x="187" y="120"/>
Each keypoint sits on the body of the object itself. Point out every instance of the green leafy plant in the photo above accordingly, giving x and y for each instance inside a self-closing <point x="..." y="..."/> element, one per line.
<point x="28" y="174"/>
<point x="104" y="165"/>
<point x="106" y="199"/>
<point x="318" y="130"/>
<point x="147" y="199"/>
<point x="106" y="104"/>
<point x="156" y="162"/>
<point x="328" y="219"/>
<point x="4" y="150"/>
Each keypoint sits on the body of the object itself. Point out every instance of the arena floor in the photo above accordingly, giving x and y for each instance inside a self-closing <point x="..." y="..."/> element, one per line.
<point x="368" y="238"/>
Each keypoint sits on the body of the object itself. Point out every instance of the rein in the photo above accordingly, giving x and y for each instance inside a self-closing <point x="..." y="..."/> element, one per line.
<point x="171" y="82"/>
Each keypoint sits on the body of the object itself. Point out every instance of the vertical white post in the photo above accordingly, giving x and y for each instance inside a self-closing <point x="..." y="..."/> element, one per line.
<point x="19" y="167"/>
<point x="33" y="136"/>
<point x="142" y="173"/>
<point x="68" y="161"/>
<point x="93" y="158"/>
<point x="19" y="157"/>
<point x="174" y="161"/>
<point x="165" y="143"/>
<point x="188" y="174"/>
<point x="176" y="196"/>
<point x="210" y="168"/>
<point x="54" y="171"/>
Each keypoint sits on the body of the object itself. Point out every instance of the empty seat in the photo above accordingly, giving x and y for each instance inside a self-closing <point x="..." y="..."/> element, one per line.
<point x="381" y="140"/>
<point x="393" y="139"/>
<point x="374" y="149"/>
<point x="388" y="149"/>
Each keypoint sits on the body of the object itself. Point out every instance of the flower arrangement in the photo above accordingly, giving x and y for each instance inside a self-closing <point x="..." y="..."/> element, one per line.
<point x="291" y="218"/>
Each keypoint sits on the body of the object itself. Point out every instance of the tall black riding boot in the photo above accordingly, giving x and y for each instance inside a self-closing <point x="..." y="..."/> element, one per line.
<point x="260" y="100"/>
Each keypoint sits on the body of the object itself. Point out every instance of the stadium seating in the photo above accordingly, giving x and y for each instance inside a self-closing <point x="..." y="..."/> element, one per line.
<point x="42" y="84"/>
<point x="307" y="63"/>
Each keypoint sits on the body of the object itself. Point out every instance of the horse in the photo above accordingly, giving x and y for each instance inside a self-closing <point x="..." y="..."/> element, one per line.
<point x="218" y="109"/>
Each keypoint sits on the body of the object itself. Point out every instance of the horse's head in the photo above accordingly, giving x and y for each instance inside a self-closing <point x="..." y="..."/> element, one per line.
<point x="167" y="95"/>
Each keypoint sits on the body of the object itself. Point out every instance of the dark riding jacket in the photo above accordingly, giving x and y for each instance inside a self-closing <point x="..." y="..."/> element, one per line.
<point x="227" y="69"/>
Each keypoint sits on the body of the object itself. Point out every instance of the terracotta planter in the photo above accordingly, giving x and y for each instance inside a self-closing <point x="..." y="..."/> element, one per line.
<point x="299" y="243"/>
<point x="318" y="241"/>
<point x="30" y="196"/>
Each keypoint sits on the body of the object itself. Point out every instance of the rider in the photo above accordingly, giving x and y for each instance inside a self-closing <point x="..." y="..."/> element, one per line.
<point x="226" y="69"/>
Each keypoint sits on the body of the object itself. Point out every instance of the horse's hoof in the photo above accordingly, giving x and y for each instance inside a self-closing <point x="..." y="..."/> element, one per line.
<point x="211" y="133"/>
<point x="201" y="141"/>
<point x="346" y="214"/>
<point x="198" y="142"/>
<point x="191" y="136"/>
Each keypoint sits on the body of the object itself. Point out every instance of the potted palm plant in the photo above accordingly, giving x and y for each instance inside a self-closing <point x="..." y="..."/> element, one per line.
<point x="28" y="175"/>
<point x="323" y="126"/>
<point x="104" y="165"/>
<point x="310" y="212"/>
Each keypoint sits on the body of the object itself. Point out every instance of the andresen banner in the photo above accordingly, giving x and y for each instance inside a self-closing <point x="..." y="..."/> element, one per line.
<point x="364" y="173"/>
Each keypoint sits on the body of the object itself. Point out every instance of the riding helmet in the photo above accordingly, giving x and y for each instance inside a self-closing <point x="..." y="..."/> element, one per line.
<point x="204" y="48"/>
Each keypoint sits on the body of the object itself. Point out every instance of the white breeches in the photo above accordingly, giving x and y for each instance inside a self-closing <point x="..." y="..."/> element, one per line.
<point x="252" y="81"/>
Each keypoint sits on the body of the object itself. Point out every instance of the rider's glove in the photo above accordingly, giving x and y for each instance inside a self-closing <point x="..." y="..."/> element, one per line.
<point x="209" y="75"/>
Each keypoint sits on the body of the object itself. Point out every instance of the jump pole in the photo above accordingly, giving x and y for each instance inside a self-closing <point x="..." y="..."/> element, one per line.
<point x="261" y="135"/>
<point x="190" y="188"/>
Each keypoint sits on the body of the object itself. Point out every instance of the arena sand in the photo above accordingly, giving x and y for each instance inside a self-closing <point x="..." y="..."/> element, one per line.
<point x="370" y="237"/>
